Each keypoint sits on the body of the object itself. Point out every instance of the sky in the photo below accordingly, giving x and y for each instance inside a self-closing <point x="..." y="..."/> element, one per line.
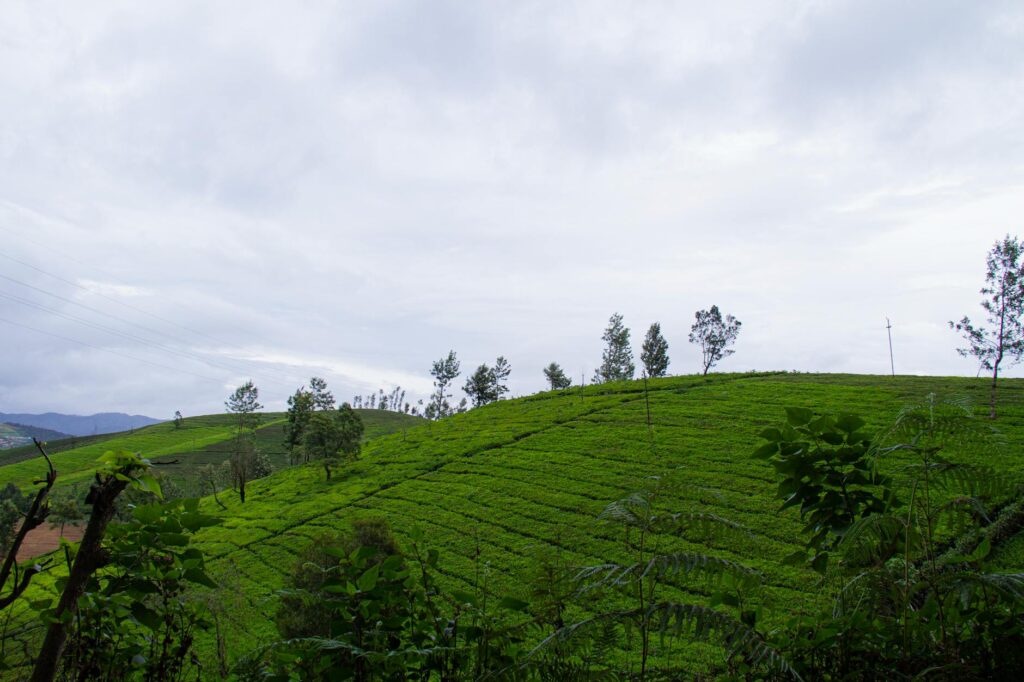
<point x="196" y="194"/>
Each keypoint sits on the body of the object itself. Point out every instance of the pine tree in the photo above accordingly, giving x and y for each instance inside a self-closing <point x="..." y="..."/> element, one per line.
<point x="556" y="377"/>
<point x="322" y="398"/>
<point x="300" y="407"/>
<point x="1004" y="303"/>
<point x="480" y="386"/>
<point x="244" y="402"/>
<point x="655" y="352"/>
<point x="444" y="372"/>
<point x="617" y="358"/>
<point x="500" y="374"/>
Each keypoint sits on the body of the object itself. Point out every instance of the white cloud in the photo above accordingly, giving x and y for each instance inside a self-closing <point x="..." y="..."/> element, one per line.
<point x="356" y="189"/>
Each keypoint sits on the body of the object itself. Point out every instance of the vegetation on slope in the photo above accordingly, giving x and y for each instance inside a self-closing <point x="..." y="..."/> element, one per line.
<point x="178" y="451"/>
<point x="504" y="489"/>
<point x="495" y="487"/>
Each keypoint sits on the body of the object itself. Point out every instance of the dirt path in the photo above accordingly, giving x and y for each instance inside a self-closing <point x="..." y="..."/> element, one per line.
<point x="45" y="539"/>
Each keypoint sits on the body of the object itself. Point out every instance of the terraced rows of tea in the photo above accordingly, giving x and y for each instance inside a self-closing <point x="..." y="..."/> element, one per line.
<point x="494" y="487"/>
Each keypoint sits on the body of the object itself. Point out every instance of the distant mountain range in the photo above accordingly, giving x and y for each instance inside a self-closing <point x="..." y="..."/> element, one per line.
<point x="75" y="425"/>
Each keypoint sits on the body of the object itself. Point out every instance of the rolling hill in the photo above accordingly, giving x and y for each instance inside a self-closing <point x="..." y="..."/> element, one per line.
<point x="16" y="435"/>
<point x="494" y="487"/>
<point x="178" y="451"/>
<point x="498" y="484"/>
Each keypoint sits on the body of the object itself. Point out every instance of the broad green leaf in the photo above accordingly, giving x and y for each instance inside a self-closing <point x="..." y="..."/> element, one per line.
<point x="368" y="580"/>
<point x="798" y="416"/>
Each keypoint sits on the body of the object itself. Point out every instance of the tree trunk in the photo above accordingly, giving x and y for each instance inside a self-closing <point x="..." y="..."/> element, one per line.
<point x="89" y="558"/>
<point x="327" y="468"/>
<point x="241" y="488"/>
<point x="992" y="393"/>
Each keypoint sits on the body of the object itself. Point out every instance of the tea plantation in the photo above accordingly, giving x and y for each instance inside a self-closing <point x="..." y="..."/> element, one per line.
<point x="498" y="486"/>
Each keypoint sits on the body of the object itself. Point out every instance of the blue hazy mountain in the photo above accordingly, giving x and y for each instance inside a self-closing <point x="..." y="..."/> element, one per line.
<point x="76" y="425"/>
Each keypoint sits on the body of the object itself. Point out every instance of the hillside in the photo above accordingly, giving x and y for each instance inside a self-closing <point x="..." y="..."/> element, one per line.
<point x="76" y="425"/>
<point x="495" y="486"/>
<point x="179" y="451"/>
<point x="16" y="435"/>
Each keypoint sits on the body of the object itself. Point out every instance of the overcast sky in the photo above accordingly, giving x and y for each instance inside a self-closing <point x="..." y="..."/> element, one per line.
<point x="194" y="194"/>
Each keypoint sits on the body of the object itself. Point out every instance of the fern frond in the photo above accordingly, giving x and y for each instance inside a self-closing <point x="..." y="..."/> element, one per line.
<point x="634" y="510"/>
<point x="942" y="422"/>
<point x="659" y="567"/>
<point x="963" y="513"/>
<point x="871" y="538"/>
<point x="1010" y="586"/>
<point x="697" y="623"/>
<point x="973" y="479"/>
<point x="703" y="525"/>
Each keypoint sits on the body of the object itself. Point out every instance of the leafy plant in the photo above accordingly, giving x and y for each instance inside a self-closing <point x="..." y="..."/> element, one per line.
<point x="646" y="577"/>
<point x="909" y="599"/>
<point x="827" y="467"/>
<point x="135" y="620"/>
<point x="389" y="619"/>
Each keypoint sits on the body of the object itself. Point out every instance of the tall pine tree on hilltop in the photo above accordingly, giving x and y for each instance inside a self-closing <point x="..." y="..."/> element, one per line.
<point x="617" y="358"/>
<point x="655" y="352"/>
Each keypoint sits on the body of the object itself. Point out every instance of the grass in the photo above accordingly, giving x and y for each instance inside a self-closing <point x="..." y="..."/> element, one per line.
<point x="499" y="484"/>
<point x="494" y="487"/>
<point x="178" y="451"/>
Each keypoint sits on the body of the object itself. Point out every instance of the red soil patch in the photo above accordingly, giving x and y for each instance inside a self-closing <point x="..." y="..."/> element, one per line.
<point x="45" y="539"/>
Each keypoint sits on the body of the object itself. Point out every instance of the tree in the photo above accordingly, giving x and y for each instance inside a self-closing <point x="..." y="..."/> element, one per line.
<point x="480" y="386"/>
<point x="244" y="402"/>
<point x="655" y="352"/>
<point x="556" y="377"/>
<point x="322" y="398"/>
<point x="179" y="421"/>
<point x="13" y="505"/>
<point x="617" y="358"/>
<point x="119" y="470"/>
<point x="714" y="335"/>
<point x="1003" y="339"/>
<point x="331" y="436"/>
<point x="487" y="384"/>
<point x="500" y="374"/>
<point x="300" y="407"/>
<point x="247" y="463"/>
<point x="444" y="372"/>
<point x="65" y="510"/>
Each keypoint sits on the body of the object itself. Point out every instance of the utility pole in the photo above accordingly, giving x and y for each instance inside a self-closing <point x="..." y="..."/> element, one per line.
<point x="888" y="328"/>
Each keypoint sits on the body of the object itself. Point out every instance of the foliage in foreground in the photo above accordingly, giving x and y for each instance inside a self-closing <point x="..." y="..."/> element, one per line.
<point x="360" y="609"/>
<point x="912" y="590"/>
<point x="121" y="609"/>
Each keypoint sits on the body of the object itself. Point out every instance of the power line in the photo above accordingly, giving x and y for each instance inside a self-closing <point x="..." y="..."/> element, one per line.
<point x="285" y="377"/>
<point x="112" y="352"/>
<point x="116" y="332"/>
<point x="128" y="322"/>
<point x="249" y="366"/>
<point x="112" y="299"/>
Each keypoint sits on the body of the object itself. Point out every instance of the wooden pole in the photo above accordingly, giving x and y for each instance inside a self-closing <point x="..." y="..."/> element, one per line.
<point x="888" y="328"/>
